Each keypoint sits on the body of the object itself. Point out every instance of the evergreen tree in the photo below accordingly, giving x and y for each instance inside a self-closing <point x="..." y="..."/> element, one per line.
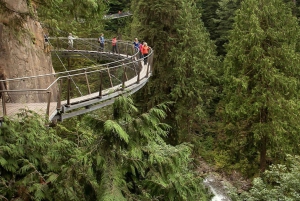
<point x="118" y="26"/>
<point x="224" y="21"/>
<point x="37" y="164"/>
<point x="132" y="161"/>
<point x="281" y="182"/>
<point x="124" y="158"/>
<point x="260" y="108"/>
<point x="209" y="14"/>
<point x="295" y="6"/>
<point x="185" y="62"/>
<point x="83" y="18"/>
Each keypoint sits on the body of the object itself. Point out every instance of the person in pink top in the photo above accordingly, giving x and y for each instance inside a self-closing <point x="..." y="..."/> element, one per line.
<point x="145" y="51"/>
<point x="114" y="45"/>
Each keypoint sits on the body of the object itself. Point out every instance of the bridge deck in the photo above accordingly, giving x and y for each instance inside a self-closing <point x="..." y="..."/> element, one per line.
<point x="125" y="63"/>
<point x="12" y="109"/>
<point x="117" y="15"/>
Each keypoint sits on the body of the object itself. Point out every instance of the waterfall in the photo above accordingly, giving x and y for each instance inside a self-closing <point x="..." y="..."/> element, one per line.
<point x="216" y="188"/>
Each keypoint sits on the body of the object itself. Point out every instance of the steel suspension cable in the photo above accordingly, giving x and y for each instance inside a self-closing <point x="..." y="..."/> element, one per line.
<point x="93" y="61"/>
<point x="66" y="70"/>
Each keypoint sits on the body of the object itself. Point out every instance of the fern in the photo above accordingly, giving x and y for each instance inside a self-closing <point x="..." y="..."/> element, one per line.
<point x="124" y="158"/>
<point x="112" y="127"/>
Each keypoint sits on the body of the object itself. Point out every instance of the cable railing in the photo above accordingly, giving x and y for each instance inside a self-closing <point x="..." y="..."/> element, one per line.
<point x="78" y="91"/>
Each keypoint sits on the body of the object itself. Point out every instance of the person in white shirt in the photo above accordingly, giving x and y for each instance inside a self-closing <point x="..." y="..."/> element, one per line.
<point x="70" y="41"/>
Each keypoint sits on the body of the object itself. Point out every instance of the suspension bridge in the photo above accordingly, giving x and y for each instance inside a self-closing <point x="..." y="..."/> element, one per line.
<point x="78" y="91"/>
<point x="117" y="15"/>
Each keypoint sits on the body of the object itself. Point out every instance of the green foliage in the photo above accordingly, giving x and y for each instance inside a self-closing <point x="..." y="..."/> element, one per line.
<point x="83" y="18"/>
<point x="135" y="163"/>
<point x="118" y="5"/>
<point x="118" y="26"/>
<point x="281" y="182"/>
<point x="209" y="13"/>
<point x="261" y="105"/>
<point x="223" y="22"/>
<point x="95" y="158"/>
<point x="218" y="17"/>
<point x="185" y="63"/>
<point x="37" y="164"/>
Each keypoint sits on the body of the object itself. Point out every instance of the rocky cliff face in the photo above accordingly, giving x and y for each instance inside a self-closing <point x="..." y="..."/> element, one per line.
<point x="22" y="52"/>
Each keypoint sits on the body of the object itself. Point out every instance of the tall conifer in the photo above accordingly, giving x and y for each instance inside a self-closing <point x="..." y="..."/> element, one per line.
<point x="134" y="162"/>
<point x="261" y="104"/>
<point x="209" y="14"/>
<point x="224" y="21"/>
<point x="185" y="60"/>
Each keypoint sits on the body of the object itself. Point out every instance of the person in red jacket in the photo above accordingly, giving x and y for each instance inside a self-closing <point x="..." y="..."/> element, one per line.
<point x="114" y="45"/>
<point x="145" y="51"/>
<point x="141" y="49"/>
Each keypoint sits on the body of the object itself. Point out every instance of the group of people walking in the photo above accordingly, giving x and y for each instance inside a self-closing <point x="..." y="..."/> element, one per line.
<point x="101" y="40"/>
<point x="143" y="48"/>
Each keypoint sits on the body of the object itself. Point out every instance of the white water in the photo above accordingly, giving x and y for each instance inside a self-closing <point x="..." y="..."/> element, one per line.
<point x="216" y="188"/>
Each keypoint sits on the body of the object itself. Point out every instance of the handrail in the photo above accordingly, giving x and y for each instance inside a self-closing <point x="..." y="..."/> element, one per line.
<point x="70" y="71"/>
<point x="75" y="70"/>
<point x="130" y="61"/>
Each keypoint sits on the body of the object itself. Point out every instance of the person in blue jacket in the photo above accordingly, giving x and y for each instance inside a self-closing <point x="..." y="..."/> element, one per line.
<point x="136" y="44"/>
<point x="101" y="41"/>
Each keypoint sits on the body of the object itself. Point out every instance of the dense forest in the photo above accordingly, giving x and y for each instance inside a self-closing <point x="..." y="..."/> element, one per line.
<point x="225" y="90"/>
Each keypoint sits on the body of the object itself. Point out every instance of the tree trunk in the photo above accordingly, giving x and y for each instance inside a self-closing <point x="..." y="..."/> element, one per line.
<point x="263" y="153"/>
<point x="263" y="142"/>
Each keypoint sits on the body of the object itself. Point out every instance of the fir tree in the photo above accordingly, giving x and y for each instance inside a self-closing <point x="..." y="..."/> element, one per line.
<point x="209" y="14"/>
<point x="224" y="21"/>
<point x="37" y="164"/>
<point x="83" y="18"/>
<point x="132" y="161"/>
<point x="185" y="63"/>
<point x="260" y="109"/>
<point x="281" y="182"/>
<point x="124" y="158"/>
